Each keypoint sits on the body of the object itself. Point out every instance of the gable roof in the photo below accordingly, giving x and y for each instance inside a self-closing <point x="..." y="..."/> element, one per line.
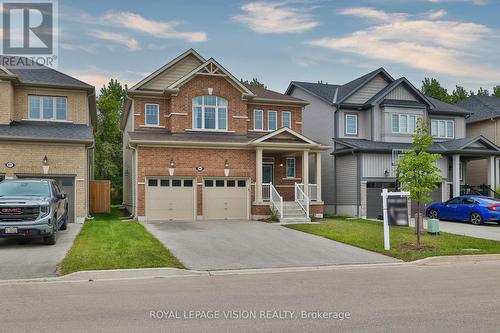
<point x="481" y="107"/>
<point x="348" y="89"/>
<point x="282" y="130"/>
<point x="149" y="78"/>
<point x="446" y="108"/>
<point x="266" y="94"/>
<point x="323" y="91"/>
<point x="39" y="75"/>
<point x="382" y="93"/>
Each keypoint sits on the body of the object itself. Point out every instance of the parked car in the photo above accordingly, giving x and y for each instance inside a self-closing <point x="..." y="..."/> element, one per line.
<point x="473" y="208"/>
<point x="32" y="208"/>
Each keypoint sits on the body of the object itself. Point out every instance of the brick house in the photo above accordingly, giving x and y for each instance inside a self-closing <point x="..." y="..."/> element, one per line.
<point x="46" y="129"/>
<point x="199" y="144"/>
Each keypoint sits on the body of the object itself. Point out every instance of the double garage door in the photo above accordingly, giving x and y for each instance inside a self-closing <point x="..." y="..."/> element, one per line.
<point x="175" y="199"/>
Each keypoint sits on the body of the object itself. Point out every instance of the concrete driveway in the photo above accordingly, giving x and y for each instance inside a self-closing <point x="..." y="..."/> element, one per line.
<point x="216" y="245"/>
<point x="35" y="259"/>
<point x="488" y="230"/>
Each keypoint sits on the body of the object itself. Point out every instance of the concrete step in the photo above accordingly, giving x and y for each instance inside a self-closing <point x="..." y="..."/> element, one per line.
<point x="295" y="219"/>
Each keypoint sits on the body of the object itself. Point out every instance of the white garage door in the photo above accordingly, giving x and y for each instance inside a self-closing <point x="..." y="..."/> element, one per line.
<point x="225" y="199"/>
<point x="170" y="199"/>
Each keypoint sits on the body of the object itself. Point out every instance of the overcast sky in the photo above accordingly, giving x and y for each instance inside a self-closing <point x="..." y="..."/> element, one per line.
<point x="455" y="41"/>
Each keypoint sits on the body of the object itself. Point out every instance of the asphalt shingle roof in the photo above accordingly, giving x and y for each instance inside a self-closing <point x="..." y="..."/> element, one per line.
<point x="270" y="94"/>
<point x="483" y="107"/>
<point x="47" y="131"/>
<point x="445" y="107"/>
<point x="39" y="74"/>
<point x="324" y="91"/>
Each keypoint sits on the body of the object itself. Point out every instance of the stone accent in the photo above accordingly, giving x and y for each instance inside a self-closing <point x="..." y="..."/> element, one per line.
<point x="64" y="160"/>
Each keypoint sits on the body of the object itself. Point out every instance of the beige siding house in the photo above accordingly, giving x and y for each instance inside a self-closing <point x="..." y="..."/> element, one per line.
<point x="46" y="129"/>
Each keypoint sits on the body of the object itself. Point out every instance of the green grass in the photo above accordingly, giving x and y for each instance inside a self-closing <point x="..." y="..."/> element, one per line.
<point x="108" y="243"/>
<point x="369" y="235"/>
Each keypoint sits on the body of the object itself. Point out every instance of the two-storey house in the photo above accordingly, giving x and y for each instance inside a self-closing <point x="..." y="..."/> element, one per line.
<point x="200" y="144"/>
<point x="371" y="121"/>
<point x="46" y="128"/>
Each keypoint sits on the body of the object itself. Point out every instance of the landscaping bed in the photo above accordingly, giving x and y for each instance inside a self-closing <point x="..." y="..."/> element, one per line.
<point x="110" y="243"/>
<point x="369" y="235"/>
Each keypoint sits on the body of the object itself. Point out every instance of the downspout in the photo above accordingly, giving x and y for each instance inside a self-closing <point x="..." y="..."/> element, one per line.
<point x="135" y="186"/>
<point x="87" y="187"/>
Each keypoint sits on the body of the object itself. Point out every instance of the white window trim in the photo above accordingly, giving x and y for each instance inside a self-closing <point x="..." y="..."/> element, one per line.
<point x="445" y="121"/>
<point x="294" y="168"/>
<point x="407" y="116"/>
<point x="262" y="120"/>
<point x="283" y="117"/>
<point x="347" y="115"/>
<point x="54" y="109"/>
<point x="216" y="107"/>
<point x="269" y="118"/>
<point x="157" y="115"/>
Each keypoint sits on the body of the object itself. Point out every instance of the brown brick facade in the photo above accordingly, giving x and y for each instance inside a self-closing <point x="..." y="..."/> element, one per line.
<point x="295" y="112"/>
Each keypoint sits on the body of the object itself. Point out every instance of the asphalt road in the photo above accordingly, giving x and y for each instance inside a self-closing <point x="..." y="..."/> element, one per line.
<point x="462" y="297"/>
<point x="35" y="259"/>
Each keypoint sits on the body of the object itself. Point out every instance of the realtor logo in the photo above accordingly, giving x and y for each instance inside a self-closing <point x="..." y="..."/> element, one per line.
<point x="29" y="29"/>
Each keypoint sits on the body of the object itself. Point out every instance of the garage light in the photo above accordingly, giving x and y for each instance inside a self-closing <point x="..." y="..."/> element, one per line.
<point x="226" y="168"/>
<point x="45" y="165"/>
<point x="171" y="167"/>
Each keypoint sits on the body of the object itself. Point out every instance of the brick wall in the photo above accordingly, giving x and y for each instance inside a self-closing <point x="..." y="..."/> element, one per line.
<point x="6" y="102"/>
<point x="140" y="112"/>
<point x="295" y="112"/>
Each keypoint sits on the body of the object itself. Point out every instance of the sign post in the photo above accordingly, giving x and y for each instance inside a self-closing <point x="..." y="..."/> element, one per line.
<point x="385" y="194"/>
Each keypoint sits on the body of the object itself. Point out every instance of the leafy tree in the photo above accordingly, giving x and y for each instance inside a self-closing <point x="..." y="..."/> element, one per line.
<point x="483" y="92"/>
<point x="108" y="136"/>
<point x="432" y="88"/>
<point x="255" y="82"/>
<point x="458" y="95"/>
<point x="496" y="91"/>
<point x="417" y="171"/>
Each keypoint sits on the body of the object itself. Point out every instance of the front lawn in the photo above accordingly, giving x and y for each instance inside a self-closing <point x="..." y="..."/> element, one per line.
<point x="369" y="235"/>
<point x="108" y="243"/>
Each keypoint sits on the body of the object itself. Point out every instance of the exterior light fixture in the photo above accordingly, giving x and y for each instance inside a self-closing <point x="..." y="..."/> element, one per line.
<point x="171" y="167"/>
<point x="226" y="168"/>
<point x="45" y="165"/>
<point x="281" y="164"/>
<point x="386" y="173"/>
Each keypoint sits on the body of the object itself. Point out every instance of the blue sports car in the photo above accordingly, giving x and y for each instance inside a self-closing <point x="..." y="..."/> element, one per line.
<point x="473" y="208"/>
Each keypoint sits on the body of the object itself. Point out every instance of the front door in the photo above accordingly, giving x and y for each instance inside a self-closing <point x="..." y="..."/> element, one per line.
<point x="267" y="173"/>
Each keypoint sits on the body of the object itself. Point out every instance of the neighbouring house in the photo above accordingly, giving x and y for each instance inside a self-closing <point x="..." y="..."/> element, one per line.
<point x="46" y="128"/>
<point x="371" y="121"/>
<point x="485" y="121"/>
<point x="199" y="145"/>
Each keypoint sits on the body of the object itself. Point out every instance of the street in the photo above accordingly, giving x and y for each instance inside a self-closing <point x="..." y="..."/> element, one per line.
<point x="444" y="297"/>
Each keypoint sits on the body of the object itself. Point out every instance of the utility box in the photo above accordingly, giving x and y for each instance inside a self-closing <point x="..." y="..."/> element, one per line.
<point x="433" y="226"/>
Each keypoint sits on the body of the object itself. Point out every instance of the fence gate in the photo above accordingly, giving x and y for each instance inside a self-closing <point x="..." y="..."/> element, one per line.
<point x="100" y="196"/>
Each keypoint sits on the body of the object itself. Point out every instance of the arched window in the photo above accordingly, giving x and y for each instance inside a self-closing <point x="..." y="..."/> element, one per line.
<point x="209" y="113"/>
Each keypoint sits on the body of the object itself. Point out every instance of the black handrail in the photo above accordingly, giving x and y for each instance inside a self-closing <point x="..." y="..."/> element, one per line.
<point x="484" y="186"/>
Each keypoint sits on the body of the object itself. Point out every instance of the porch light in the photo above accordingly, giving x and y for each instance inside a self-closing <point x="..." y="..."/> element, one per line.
<point x="171" y="167"/>
<point x="281" y="164"/>
<point x="45" y="165"/>
<point x="226" y="168"/>
<point x="386" y="173"/>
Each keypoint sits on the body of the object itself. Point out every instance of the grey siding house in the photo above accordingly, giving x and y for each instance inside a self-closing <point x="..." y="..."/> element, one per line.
<point x="371" y="121"/>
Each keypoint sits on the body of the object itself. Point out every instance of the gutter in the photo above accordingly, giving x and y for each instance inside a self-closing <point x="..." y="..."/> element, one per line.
<point x="87" y="187"/>
<point x="45" y="139"/>
<point x="277" y="101"/>
<point x="135" y="187"/>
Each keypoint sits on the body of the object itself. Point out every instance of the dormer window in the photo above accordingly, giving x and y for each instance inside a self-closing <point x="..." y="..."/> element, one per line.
<point x="47" y="108"/>
<point x="209" y="113"/>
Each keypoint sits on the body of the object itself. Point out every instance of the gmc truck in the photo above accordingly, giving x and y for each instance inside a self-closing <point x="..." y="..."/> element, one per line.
<point x="32" y="208"/>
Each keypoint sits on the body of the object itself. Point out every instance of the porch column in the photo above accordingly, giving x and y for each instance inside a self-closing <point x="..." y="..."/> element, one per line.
<point x="258" y="176"/>
<point x="456" y="175"/>
<point x="318" y="177"/>
<point x="491" y="172"/>
<point x="305" y="171"/>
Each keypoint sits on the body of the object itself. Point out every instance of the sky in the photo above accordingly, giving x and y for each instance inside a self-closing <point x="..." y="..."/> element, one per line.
<point x="455" y="41"/>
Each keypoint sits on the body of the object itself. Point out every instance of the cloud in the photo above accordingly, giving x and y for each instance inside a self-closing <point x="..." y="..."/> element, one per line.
<point x="431" y="45"/>
<point x="474" y="2"/>
<point x="159" y="29"/>
<point x="99" y="77"/>
<point x="130" y="43"/>
<point x="264" y="18"/>
<point x="435" y="14"/>
<point x="373" y="14"/>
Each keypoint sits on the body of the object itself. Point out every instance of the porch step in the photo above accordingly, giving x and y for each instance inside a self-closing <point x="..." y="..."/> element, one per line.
<point x="299" y="219"/>
<point x="293" y="213"/>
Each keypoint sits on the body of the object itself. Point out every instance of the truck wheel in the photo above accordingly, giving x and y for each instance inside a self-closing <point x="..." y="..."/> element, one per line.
<point x="64" y="226"/>
<point x="50" y="240"/>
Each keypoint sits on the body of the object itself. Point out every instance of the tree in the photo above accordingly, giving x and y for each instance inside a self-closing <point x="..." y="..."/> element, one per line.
<point x="483" y="92"/>
<point x="255" y="82"/>
<point x="108" y="136"/>
<point x="458" y="95"/>
<point x="432" y="88"/>
<point x="496" y="91"/>
<point x="417" y="171"/>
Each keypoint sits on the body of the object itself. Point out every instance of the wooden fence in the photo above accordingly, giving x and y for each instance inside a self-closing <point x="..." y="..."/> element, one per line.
<point x="100" y="196"/>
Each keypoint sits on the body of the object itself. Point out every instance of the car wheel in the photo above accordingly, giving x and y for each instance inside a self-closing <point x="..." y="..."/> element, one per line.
<point x="475" y="218"/>
<point x="433" y="214"/>
<point x="50" y="240"/>
<point x="64" y="225"/>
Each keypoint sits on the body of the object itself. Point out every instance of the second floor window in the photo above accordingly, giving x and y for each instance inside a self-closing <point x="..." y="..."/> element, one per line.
<point x="286" y="119"/>
<point x="351" y="124"/>
<point x="258" y="120"/>
<point x="152" y="115"/>
<point x="210" y="113"/>
<point x="403" y="123"/>
<point x="272" y="120"/>
<point x="442" y="128"/>
<point x="47" y="108"/>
